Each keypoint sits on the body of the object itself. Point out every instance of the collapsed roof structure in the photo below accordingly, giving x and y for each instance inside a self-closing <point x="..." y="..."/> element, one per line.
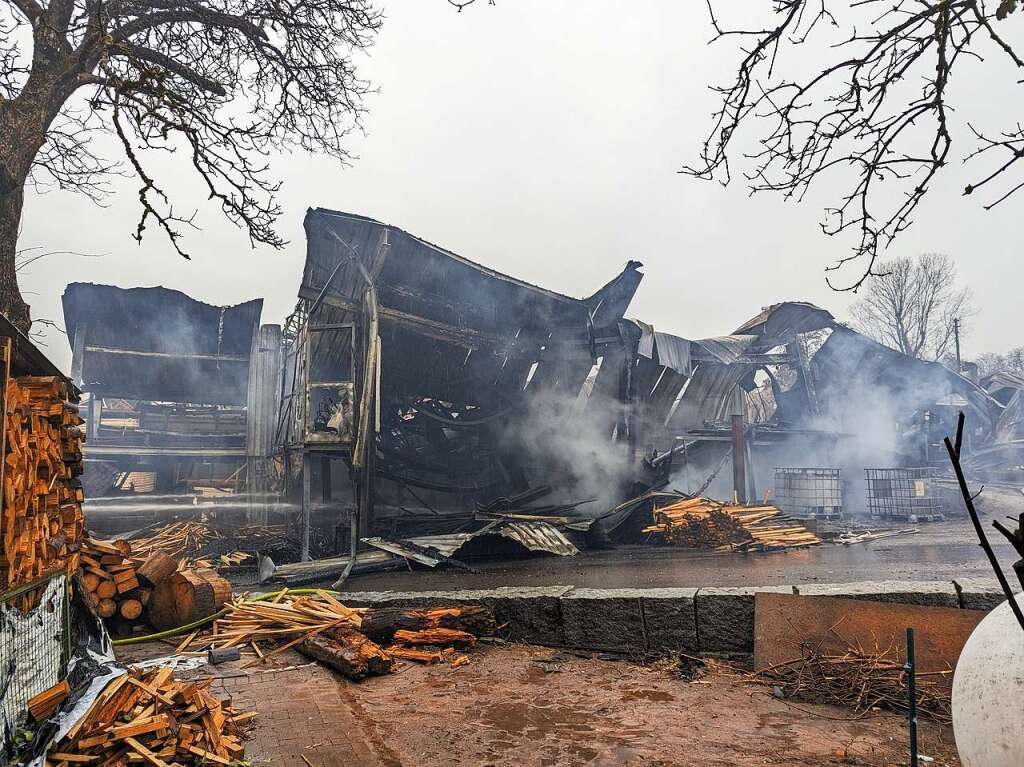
<point x="445" y="384"/>
<point x="415" y="392"/>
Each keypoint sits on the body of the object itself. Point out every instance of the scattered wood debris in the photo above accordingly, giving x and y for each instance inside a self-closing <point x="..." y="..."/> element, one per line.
<point x="349" y="640"/>
<point x="176" y="539"/>
<point x="42" y="522"/>
<point x="861" y="680"/>
<point x="849" y="537"/>
<point x="149" y="717"/>
<point x="702" y="523"/>
<point x="190" y="540"/>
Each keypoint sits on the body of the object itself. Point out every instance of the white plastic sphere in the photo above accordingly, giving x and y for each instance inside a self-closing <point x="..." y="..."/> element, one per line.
<point x="988" y="693"/>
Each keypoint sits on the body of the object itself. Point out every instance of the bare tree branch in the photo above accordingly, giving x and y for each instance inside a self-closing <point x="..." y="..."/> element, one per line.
<point x="875" y="112"/>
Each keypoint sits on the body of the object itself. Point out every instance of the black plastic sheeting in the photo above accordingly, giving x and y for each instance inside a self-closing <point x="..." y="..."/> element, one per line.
<point x="161" y="321"/>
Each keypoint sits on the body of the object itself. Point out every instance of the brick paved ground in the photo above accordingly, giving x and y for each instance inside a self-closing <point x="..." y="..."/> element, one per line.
<point x="303" y="711"/>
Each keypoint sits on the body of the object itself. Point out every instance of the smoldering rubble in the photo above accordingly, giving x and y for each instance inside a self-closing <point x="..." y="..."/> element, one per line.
<point x="420" y="407"/>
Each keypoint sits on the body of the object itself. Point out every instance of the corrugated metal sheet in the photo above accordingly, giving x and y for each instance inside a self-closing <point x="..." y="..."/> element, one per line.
<point x="538" y="536"/>
<point x="264" y="391"/>
<point x="727" y="349"/>
<point x="1010" y="427"/>
<point x="534" y="536"/>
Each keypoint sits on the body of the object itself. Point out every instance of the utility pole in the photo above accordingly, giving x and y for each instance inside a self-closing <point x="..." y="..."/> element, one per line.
<point x="956" y="338"/>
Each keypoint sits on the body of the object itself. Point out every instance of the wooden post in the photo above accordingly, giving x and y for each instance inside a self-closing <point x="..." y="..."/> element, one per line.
<point x="739" y="463"/>
<point x="307" y="502"/>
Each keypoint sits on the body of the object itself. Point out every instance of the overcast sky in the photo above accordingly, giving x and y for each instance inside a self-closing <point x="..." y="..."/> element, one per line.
<point x="541" y="139"/>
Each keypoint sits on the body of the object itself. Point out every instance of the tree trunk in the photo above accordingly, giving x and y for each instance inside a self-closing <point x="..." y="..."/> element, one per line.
<point x="11" y="302"/>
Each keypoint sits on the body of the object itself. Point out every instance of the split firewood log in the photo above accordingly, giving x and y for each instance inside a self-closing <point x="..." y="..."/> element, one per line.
<point x="380" y="624"/>
<point x="440" y="637"/>
<point x="157" y="568"/>
<point x="187" y="596"/>
<point x="348" y="652"/>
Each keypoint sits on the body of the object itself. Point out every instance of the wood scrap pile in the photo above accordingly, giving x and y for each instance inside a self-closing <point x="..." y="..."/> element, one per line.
<point x="200" y="544"/>
<point x="147" y="717"/>
<point x="41" y="523"/>
<point x="356" y="642"/>
<point x="217" y="562"/>
<point x="130" y="590"/>
<point x="176" y="539"/>
<point x="861" y="680"/>
<point x="702" y="523"/>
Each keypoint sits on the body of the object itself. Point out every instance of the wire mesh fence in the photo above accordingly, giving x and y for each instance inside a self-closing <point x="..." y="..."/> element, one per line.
<point x="809" y="493"/>
<point x="35" y="635"/>
<point x="902" y="494"/>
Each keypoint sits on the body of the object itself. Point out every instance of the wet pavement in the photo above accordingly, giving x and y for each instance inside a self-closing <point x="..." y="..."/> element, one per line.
<point x="940" y="552"/>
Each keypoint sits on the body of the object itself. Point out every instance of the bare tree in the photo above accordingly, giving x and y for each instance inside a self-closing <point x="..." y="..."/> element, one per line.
<point x="223" y="82"/>
<point x="912" y="306"/>
<point x="1012" y="361"/>
<point x="874" y="114"/>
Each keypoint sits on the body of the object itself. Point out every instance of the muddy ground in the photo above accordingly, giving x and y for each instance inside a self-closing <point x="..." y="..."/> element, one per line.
<point x="532" y="707"/>
<point x="524" y="706"/>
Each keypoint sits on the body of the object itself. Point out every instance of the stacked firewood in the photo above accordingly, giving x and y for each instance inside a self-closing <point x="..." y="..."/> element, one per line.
<point x="42" y="523"/>
<point x="356" y="642"/>
<point x="147" y="717"/>
<point x="702" y="523"/>
<point x="131" y="590"/>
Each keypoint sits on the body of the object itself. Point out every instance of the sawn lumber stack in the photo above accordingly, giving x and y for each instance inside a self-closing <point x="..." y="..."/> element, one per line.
<point x="147" y="717"/>
<point x="42" y="523"/>
<point x="702" y="523"/>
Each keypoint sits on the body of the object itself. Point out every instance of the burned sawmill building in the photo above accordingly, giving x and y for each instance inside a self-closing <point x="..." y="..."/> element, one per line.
<point x="417" y="367"/>
<point x="415" y="393"/>
<point x="167" y="384"/>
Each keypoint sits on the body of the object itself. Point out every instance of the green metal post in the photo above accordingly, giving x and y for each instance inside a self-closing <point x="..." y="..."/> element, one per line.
<point x="911" y="669"/>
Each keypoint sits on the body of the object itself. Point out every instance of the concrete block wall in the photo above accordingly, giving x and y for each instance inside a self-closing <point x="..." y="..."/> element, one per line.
<point x="651" y="621"/>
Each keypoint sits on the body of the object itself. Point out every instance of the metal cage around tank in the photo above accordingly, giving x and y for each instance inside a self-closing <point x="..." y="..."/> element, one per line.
<point x="809" y="492"/>
<point x="902" y="494"/>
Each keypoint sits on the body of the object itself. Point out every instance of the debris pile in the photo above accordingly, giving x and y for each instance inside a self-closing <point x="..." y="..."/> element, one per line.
<point x="861" y="680"/>
<point x="702" y="523"/>
<point x="200" y="544"/>
<point x="175" y="539"/>
<point x="42" y="520"/>
<point x="356" y="642"/>
<point x="147" y="717"/>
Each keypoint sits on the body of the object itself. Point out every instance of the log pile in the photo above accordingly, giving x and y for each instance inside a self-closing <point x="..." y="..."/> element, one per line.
<point x="42" y="523"/>
<point x="355" y="642"/>
<point x="147" y="717"/>
<point x="130" y="590"/>
<point x="702" y="523"/>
